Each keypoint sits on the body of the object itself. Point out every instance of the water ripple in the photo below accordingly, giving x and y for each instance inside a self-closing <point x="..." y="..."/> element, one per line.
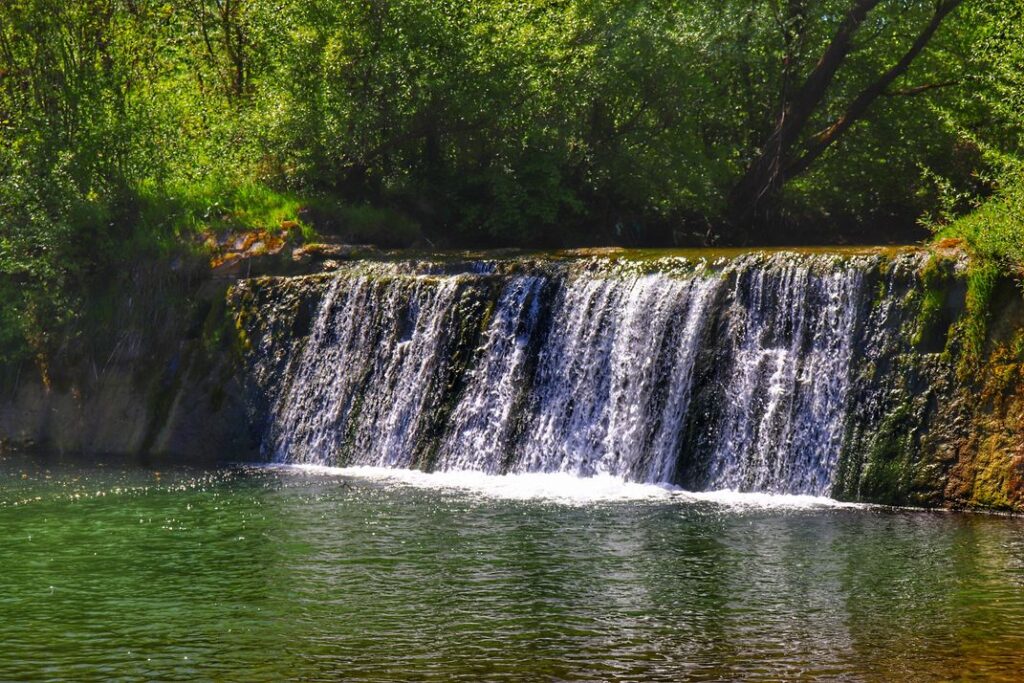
<point x="270" y="574"/>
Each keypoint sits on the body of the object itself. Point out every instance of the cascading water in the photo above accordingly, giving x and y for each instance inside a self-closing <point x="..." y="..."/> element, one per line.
<point x="485" y="414"/>
<point x="367" y="372"/>
<point x="728" y="375"/>
<point x="786" y="392"/>
<point x="614" y="372"/>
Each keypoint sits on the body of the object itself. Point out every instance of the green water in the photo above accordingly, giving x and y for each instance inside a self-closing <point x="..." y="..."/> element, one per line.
<point x="256" y="574"/>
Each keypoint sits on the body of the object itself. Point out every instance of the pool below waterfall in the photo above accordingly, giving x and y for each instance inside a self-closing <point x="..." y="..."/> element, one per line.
<point x="364" y="574"/>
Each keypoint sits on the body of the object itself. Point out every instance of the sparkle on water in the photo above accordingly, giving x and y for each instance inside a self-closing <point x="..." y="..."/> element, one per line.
<point x="361" y="574"/>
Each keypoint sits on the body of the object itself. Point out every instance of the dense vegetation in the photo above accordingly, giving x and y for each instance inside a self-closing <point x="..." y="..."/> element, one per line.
<point x="138" y="127"/>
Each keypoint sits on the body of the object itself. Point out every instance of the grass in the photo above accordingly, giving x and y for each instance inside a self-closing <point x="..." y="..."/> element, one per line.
<point x="994" y="232"/>
<point x="171" y="217"/>
<point x="176" y="216"/>
<point x="994" y="237"/>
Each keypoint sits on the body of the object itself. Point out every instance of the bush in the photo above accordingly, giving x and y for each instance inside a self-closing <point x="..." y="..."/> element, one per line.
<point x="995" y="231"/>
<point x="36" y="272"/>
<point x="362" y="224"/>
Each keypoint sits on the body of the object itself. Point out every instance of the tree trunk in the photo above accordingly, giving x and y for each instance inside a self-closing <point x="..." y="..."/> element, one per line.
<point x="789" y="151"/>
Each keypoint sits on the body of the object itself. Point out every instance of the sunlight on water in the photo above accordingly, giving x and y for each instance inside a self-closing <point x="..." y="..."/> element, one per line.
<point x="363" y="574"/>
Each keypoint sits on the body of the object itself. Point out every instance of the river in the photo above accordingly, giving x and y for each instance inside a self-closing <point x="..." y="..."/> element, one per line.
<point x="263" y="573"/>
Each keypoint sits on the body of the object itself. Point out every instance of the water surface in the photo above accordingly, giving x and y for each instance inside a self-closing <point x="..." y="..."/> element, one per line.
<point x="262" y="574"/>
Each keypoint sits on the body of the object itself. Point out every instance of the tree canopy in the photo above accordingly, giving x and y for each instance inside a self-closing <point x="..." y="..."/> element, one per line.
<point x="132" y="125"/>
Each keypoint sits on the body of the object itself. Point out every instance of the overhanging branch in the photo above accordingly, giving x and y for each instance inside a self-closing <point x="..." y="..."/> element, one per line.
<point x="823" y="140"/>
<point x="917" y="90"/>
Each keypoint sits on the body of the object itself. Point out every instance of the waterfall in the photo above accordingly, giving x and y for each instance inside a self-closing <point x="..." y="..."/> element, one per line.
<point x="614" y="375"/>
<point x="367" y="373"/>
<point x="734" y="374"/>
<point x="788" y="385"/>
<point x="484" y="419"/>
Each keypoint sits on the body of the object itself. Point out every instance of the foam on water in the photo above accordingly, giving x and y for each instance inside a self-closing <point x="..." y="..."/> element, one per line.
<point x="564" y="488"/>
<point x="789" y="501"/>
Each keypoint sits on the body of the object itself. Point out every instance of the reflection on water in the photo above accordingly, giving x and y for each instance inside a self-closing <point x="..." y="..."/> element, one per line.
<point x="261" y="574"/>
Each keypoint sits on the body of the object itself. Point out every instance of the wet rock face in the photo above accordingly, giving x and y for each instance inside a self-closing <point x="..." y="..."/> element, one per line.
<point x="987" y="450"/>
<point x="830" y="374"/>
<point x="165" y="387"/>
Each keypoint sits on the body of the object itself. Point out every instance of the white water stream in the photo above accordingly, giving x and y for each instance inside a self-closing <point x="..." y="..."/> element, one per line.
<point x="581" y="372"/>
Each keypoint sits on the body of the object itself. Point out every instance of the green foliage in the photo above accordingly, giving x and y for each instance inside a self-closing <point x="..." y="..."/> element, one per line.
<point x="34" y="265"/>
<point x="992" y="120"/>
<point x="132" y="128"/>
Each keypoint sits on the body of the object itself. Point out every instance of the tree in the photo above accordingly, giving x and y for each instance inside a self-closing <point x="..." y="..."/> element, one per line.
<point x="790" y="150"/>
